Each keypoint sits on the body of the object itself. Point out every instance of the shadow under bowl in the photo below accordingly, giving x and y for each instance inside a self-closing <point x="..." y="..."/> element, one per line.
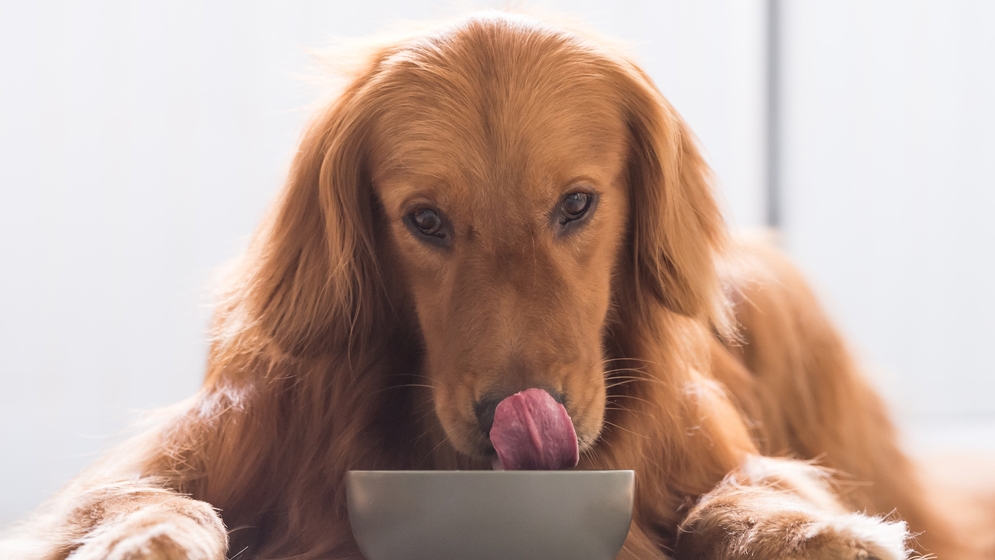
<point x="481" y="515"/>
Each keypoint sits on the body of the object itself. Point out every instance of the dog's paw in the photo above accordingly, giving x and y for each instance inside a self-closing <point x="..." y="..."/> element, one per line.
<point x="853" y="536"/>
<point x="155" y="537"/>
<point x="792" y="534"/>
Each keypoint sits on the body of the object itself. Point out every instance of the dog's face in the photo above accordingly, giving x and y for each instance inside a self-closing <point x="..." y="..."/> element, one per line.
<point x="527" y="194"/>
<point x="502" y="175"/>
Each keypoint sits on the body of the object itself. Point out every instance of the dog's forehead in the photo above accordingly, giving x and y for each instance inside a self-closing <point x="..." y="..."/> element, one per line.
<point x="515" y="122"/>
<point x="516" y="141"/>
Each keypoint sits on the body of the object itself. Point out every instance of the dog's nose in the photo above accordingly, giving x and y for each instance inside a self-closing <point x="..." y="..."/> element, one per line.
<point x="485" y="413"/>
<point x="484" y="408"/>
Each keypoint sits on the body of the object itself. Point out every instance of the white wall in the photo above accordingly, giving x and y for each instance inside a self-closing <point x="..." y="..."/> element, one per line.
<point x="889" y="151"/>
<point x="139" y="144"/>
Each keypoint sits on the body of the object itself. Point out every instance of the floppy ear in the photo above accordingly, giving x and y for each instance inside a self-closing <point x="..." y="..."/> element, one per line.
<point x="310" y="281"/>
<point x="676" y="228"/>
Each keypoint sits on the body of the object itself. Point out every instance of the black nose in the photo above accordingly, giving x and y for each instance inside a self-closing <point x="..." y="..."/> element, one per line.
<point x="484" y="408"/>
<point x="485" y="413"/>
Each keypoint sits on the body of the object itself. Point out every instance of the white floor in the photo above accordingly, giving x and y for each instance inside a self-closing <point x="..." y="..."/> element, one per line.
<point x="924" y="437"/>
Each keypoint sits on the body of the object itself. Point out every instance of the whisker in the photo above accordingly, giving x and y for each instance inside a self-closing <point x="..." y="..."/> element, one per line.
<point x="411" y="375"/>
<point x="620" y="383"/>
<point x="412" y="385"/>
<point x="633" y="397"/>
<point x="432" y="452"/>
<point x="402" y="386"/>
<point x="634" y="378"/>
<point x="621" y="370"/>
<point x="406" y="374"/>
<point x="629" y="360"/>
<point x="644" y="436"/>
<point x="601" y="439"/>
<point x="631" y="411"/>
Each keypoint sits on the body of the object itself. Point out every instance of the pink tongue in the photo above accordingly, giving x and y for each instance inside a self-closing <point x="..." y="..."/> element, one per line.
<point x="533" y="431"/>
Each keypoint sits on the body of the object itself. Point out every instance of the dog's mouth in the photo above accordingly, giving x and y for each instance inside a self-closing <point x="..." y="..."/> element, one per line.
<point x="537" y="428"/>
<point x="532" y="431"/>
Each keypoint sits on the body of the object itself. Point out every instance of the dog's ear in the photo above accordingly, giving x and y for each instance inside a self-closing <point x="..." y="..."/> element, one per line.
<point x="310" y="281"/>
<point x="676" y="227"/>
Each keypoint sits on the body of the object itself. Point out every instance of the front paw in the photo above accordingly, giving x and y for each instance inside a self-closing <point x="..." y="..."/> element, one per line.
<point x="784" y="509"/>
<point x="784" y="530"/>
<point x="854" y="536"/>
<point x="155" y="536"/>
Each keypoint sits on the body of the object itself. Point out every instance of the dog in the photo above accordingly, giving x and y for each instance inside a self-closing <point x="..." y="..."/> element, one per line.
<point x="501" y="207"/>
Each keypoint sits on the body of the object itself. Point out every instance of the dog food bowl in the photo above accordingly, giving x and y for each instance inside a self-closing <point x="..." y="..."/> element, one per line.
<point x="483" y="515"/>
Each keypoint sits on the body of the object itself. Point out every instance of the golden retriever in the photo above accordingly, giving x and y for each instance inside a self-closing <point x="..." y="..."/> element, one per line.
<point x="493" y="206"/>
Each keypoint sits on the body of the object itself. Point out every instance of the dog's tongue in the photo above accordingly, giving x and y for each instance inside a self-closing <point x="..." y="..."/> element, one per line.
<point x="533" y="431"/>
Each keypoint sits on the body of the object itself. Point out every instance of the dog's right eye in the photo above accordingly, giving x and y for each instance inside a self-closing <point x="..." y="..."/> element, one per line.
<point x="428" y="223"/>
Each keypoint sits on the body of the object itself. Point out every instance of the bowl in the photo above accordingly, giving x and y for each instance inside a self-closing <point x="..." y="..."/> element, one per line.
<point x="481" y="515"/>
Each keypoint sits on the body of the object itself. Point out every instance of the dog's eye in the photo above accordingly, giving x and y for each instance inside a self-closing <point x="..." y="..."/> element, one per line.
<point x="574" y="206"/>
<point x="427" y="221"/>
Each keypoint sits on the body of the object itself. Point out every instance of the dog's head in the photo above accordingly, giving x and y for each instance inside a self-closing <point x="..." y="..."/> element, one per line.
<point x="525" y="192"/>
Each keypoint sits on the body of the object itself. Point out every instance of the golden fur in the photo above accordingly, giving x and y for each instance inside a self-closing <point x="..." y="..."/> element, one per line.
<point x="344" y="341"/>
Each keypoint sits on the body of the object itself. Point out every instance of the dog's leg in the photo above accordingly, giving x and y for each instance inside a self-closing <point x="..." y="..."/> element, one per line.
<point x="135" y="503"/>
<point x="129" y="521"/>
<point x="157" y="524"/>
<point x="779" y="508"/>
<point x="808" y="397"/>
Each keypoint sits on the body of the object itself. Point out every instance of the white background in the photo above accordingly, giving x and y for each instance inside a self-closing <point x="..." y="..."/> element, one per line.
<point x="140" y="143"/>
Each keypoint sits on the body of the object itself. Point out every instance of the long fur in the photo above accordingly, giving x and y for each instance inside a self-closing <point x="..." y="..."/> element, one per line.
<point x="716" y="376"/>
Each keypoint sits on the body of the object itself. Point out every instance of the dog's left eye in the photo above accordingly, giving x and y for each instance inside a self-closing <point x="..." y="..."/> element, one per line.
<point x="429" y="224"/>
<point x="574" y="206"/>
<point x="427" y="221"/>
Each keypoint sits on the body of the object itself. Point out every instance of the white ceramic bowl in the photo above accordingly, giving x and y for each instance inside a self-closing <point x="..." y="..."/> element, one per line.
<point x="482" y="515"/>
